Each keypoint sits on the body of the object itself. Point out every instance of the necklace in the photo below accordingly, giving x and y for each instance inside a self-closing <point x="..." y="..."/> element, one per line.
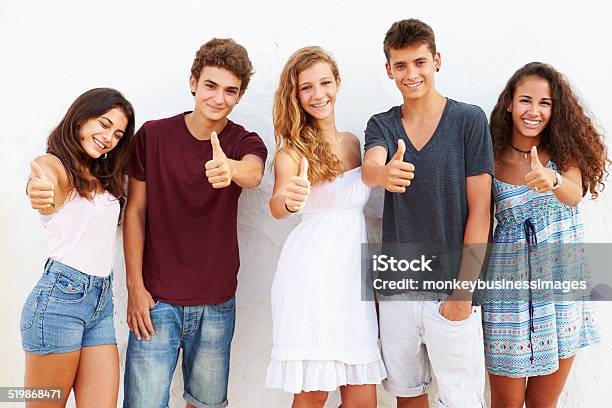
<point x="525" y="153"/>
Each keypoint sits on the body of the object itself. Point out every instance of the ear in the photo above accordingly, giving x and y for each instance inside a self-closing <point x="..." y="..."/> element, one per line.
<point x="388" y="68"/>
<point x="193" y="84"/>
<point x="338" y="82"/>
<point x="437" y="59"/>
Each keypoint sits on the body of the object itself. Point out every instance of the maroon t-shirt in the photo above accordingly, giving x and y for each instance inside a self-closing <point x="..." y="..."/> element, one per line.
<point x="191" y="244"/>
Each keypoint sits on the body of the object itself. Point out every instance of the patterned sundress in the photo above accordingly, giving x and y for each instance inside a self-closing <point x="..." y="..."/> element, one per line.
<point x="526" y="332"/>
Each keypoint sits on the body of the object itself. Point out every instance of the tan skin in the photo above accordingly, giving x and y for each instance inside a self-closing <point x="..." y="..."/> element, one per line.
<point x="92" y="372"/>
<point x="531" y="110"/>
<point x="412" y="68"/>
<point x="291" y="188"/>
<point x="217" y="91"/>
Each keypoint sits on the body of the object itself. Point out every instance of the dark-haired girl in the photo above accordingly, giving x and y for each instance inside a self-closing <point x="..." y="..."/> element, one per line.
<point x="67" y="328"/>
<point x="548" y="155"/>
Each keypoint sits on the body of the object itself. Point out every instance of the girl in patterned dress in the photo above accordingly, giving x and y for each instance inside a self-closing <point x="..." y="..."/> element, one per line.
<point x="548" y="155"/>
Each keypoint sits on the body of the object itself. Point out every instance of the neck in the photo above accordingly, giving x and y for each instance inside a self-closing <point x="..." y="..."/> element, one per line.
<point x="201" y="127"/>
<point x="424" y="106"/>
<point x="327" y="128"/>
<point x="524" y="143"/>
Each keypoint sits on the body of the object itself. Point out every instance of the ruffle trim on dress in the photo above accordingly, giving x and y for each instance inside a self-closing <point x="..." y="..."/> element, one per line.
<point x="296" y="376"/>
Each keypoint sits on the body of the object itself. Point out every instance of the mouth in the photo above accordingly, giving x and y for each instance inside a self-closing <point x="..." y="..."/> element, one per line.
<point x="215" y="109"/>
<point x="531" y="124"/>
<point x="99" y="144"/>
<point x="413" y="85"/>
<point x="320" y="105"/>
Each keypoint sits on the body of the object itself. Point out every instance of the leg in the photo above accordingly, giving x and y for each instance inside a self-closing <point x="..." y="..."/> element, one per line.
<point x="97" y="377"/>
<point x="413" y="402"/>
<point x="206" y="353"/>
<point x="456" y="353"/>
<point x="358" y="396"/>
<point x="544" y="391"/>
<point x="507" y="392"/>
<point x="149" y="364"/>
<point x="51" y="371"/>
<point x="312" y="399"/>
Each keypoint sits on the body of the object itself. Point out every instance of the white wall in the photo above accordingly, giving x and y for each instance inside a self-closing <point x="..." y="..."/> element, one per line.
<point x="53" y="51"/>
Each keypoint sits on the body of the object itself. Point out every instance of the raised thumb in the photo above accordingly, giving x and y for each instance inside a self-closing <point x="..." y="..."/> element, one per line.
<point x="535" y="160"/>
<point x="304" y="168"/>
<point x="401" y="149"/>
<point x="37" y="172"/>
<point x="216" y="146"/>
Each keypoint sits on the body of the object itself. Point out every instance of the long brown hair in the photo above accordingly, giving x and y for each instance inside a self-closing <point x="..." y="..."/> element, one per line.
<point x="85" y="174"/>
<point x="295" y="130"/>
<point x="571" y="138"/>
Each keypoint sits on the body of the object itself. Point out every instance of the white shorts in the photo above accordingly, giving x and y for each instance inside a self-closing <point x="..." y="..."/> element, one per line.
<point x="417" y="340"/>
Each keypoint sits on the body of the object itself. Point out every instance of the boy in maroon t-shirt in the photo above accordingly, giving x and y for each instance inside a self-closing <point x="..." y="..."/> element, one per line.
<point x="180" y="241"/>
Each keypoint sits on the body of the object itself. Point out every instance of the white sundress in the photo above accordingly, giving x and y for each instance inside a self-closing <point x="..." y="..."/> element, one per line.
<point x="324" y="335"/>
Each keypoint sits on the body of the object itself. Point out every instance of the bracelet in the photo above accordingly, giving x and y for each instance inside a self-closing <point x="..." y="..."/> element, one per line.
<point x="290" y="211"/>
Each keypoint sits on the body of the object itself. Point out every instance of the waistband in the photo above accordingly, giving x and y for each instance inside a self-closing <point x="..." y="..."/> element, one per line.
<point x="53" y="266"/>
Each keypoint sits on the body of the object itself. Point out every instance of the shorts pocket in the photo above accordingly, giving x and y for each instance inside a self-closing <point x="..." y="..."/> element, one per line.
<point x="224" y="307"/>
<point x="29" y="308"/>
<point x="157" y="302"/>
<point x="452" y="322"/>
<point x="68" y="289"/>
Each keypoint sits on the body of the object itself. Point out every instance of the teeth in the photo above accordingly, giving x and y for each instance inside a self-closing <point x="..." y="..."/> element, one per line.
<point x="320" y="105"/>
<point x="96" y="141"/>
<point x="531" y="122"/>
<point x="414" y="85"/>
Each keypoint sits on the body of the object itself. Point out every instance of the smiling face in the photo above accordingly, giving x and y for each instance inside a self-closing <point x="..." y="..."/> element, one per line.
<point x="217" y="91"/>
<point x="413" y="68"/>
<point x="531" y="106"/>
<point x="317" y="89"/>
<point x="100" y="135"/>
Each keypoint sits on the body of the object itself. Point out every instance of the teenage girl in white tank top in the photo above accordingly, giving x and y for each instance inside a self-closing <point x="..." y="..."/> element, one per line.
<point x="66" y="324"/>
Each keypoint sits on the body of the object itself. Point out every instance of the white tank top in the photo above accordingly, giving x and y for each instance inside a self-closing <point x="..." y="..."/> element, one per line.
<point x="82" y="233"/>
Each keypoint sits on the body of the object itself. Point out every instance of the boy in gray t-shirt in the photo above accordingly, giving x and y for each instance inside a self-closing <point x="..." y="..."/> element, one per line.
<point x="434" y="157"/>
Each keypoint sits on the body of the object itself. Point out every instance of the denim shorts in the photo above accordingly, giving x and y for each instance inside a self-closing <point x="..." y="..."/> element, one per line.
<point x="67" y="310"/>
<point x="204" y="333"/>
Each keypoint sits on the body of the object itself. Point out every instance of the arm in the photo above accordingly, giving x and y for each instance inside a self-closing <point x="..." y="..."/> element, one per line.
<point x="248" y="172"/>
<point x="475" y="237"/>
<point x="291" y="185"/>
<point x="139" y="299"/>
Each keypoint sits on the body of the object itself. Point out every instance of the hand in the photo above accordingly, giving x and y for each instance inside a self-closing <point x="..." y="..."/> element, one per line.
<point x="540" y="179"/>
<point x="140" y="302"/>
<point x="40" y="189"/>
<point x="219" y="170"/>
<point x="397" y="174"/>
<point x="298" y="188"/>
<point x="456" y="310"/>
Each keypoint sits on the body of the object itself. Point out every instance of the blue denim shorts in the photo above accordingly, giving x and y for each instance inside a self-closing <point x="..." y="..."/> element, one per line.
<point x="67" y="310"/>
<point x="204" y="333"/>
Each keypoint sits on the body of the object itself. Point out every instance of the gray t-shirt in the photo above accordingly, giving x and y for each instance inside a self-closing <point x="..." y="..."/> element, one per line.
<point x="434" y="207"/>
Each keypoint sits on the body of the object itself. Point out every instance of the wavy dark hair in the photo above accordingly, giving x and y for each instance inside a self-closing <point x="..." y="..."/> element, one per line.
<point x="571" y="138"/>
<point x="84" y="173"/>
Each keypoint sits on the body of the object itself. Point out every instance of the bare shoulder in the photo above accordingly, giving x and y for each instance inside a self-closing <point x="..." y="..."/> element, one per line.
<point x="353" y="145"/>
<point x="54" y="169"/>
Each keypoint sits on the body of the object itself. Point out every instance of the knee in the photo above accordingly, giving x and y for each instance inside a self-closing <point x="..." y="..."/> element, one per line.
<point x="315" y="399"/>
<point x="541" y="401"/>
<point x="507" y="402"/>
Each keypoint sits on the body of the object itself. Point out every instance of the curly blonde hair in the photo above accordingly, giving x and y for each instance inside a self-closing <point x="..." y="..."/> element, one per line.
<point x="295" y="131"/>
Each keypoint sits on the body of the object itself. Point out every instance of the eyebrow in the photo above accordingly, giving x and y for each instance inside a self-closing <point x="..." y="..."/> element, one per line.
<point x="527" y="96"/>
<point x="232" y="88"/>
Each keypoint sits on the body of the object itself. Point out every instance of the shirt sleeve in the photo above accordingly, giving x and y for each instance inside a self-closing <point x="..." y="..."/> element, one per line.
<point x="374" y="135"/>
<point x="252" y="144"/>
<point x="137" y="164"/>
<point x="478" y="147"/>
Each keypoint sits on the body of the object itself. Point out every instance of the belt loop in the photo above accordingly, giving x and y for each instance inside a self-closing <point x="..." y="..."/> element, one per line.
<point x="47" y="266"/>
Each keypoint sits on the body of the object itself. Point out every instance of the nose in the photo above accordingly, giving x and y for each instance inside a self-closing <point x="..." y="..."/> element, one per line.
<point x="533" y="110"/>
<point x="108" y="135"/>
<point x="318" y="92"/>
<point x="218" y="97"/>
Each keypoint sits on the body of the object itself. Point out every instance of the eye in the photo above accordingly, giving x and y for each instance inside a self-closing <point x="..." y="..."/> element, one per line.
<point x="325" y="83"/>
<point x="400" y="67"/>
<point x="118" y="136"/>
<point x="545" y="103"/>
<point x="420" y="63"/>
<point x="104" y="125"/>
<point x="305" y="88"/>
<point x="232" y="92"/>
<point x="524" y="100"/>
<point x="209" y="86"/>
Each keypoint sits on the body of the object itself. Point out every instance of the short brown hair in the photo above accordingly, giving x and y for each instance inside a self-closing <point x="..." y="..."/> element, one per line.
<point x="224" y="53"/>
<point x="406" y="33"/>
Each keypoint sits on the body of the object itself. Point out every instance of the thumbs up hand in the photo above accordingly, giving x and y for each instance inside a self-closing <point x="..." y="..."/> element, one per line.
<point x="40" y="190"/>
<point x="219" y="170"/>
<point x="397" y="173"/>
<point x="540" y="179"/>
<point x="298" y="188"/>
